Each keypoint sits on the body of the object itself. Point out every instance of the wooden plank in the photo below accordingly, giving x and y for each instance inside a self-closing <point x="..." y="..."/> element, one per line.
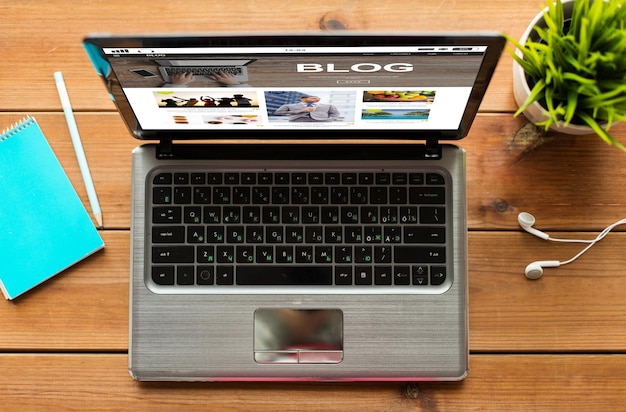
<point x="30" y="58"/>
<point x="88" y="382"/>
<point x="567" y="182"/>
<point x="575" y="308"/>
<point x="83" y="308"/>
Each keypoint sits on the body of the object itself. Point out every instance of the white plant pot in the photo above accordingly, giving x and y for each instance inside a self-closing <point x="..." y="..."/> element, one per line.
<point x="535" y="112"/>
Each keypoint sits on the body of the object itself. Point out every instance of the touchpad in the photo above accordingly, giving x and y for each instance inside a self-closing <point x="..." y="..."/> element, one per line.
<point x="298" y="336"/>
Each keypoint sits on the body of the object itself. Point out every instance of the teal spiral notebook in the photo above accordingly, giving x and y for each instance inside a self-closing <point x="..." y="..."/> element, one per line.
<point x="44" y="227"/>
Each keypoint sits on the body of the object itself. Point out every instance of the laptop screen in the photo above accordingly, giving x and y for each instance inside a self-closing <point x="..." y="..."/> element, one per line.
<point x="365" y="86"/>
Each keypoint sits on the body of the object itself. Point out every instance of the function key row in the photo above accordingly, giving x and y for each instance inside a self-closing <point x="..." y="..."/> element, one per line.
<point x="298" y="178"/>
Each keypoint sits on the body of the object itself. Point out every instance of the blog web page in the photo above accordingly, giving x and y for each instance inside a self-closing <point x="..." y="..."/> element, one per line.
<point x="327" y="88"/>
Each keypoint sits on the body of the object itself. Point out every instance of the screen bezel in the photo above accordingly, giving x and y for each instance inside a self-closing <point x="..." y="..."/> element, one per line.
<point x="493" y="41"/>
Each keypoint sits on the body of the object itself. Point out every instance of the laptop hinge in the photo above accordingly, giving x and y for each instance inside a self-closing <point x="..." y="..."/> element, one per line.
<point x="433" y="149"/>
<point x="165" y="149"/>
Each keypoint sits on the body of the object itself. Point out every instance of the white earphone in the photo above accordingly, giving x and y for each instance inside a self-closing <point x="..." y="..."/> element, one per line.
<point x="535" y="269"/>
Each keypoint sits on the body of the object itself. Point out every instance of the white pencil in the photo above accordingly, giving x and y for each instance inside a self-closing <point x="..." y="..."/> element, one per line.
<point x="78" y="148"/>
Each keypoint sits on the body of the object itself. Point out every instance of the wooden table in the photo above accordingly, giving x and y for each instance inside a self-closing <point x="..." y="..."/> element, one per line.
<point x="558" y="343"/>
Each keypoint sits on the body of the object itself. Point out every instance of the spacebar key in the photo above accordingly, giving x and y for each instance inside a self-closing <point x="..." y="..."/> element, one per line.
<point x="284" y="275"/>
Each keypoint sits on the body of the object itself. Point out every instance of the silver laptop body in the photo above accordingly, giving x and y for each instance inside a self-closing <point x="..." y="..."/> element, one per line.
<point x="214" y="315"/>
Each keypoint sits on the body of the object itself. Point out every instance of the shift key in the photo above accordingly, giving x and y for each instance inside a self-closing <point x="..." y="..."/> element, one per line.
<point x="172" y="254"/>
<point x="419" y="254"/>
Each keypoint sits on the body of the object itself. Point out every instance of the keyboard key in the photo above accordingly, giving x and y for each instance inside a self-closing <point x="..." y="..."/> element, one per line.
<point x="163" y="275"/>
<point x="241" y="195"/>
<point x="265" y="254"/>
<point x="245" y="254"/>
<point x="248" y="178"/>
<point x="432" y="215"/>
<point x="437" y="275"/>
<point x="434" y="179"/>
<point x="182" y="195"/>
<point x="319" y="195"/>
<point x="168" y="234"/>
<point x="343" y="275"/>
<point x="231" y="178"/>
<point x="363" y="275"/>
<point x="284" y="254"/>
<point x="260" y="195"/>
<point x="401" y="275"/>
<point x="383" y="275"/>
<point x="185" y="275"/>
<point x="162" y="179"/>
<point x="172" y="254"/>
<point x="215" y="179"/>
<point x="330" y="215"/>
<point x="427" y="195"/>
<point x="206" y="275"/>
<point x="166" y="214"/>
<point x="366" y="178"/>
<point x="399" y="178"/>
<point x="205" y="254"/>
<point x="332" y="178"/>
<point x="181" y="178"/>
<point x="225" y="254"/>
<point x="224" y="275"/>
<point x="212" y="214"/>
<point x="416" y="178"/>
<point x="215" y="234"/>
<point x="265" y="178"/>
<point x="422" y="234"/>
<point x="397" y="195"/>
<point x="284" y="275"/>
<point x="358" y="195"/>
<point x="221" y="195"/>
<point x="348" y="179"/>
<point x="363" y="254"/>
<point x="382" y="254"/>
<point x="198" y="178"/>
<point x="162" y="195"/>
<point x="378" y="195"/>
<point x="281" y="178"/>
<point x="195" y="234"/>
<point x="300" y="195"/>
<point x="304" y="254"/>
<point x="339" y="195"/>
<point x="343" y="254"/>
<point x="251" y="215"/>
<point x="419" y="254"/>
<point x="316" y="178"/>
<point x="298" y="178"/>
<point x="383" y="178"/>
<point x="192" y="214"/>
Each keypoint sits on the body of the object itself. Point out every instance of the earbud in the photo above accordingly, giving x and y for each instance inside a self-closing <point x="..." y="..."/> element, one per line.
<point x="526" y="221"/>
<point x="535" y="269"/>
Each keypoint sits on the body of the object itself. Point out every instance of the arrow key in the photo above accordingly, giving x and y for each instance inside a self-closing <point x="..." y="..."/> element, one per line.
<point x="437" y="275"/>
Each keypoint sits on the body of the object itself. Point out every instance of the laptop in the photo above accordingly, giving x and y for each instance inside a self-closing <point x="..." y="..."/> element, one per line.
<point x="203" y="69"/>
<point x="309" y="222"/>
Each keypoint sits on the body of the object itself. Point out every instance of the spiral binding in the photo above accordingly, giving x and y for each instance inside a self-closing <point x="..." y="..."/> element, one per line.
<point x="16" y="128"/>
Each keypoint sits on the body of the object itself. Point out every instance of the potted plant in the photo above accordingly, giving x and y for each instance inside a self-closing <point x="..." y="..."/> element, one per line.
<point x="569" y="69"/>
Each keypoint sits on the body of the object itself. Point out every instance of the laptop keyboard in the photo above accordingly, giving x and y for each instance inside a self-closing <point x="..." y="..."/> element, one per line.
<point x="204" y="71"/>
<point x="330" y="228"/>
